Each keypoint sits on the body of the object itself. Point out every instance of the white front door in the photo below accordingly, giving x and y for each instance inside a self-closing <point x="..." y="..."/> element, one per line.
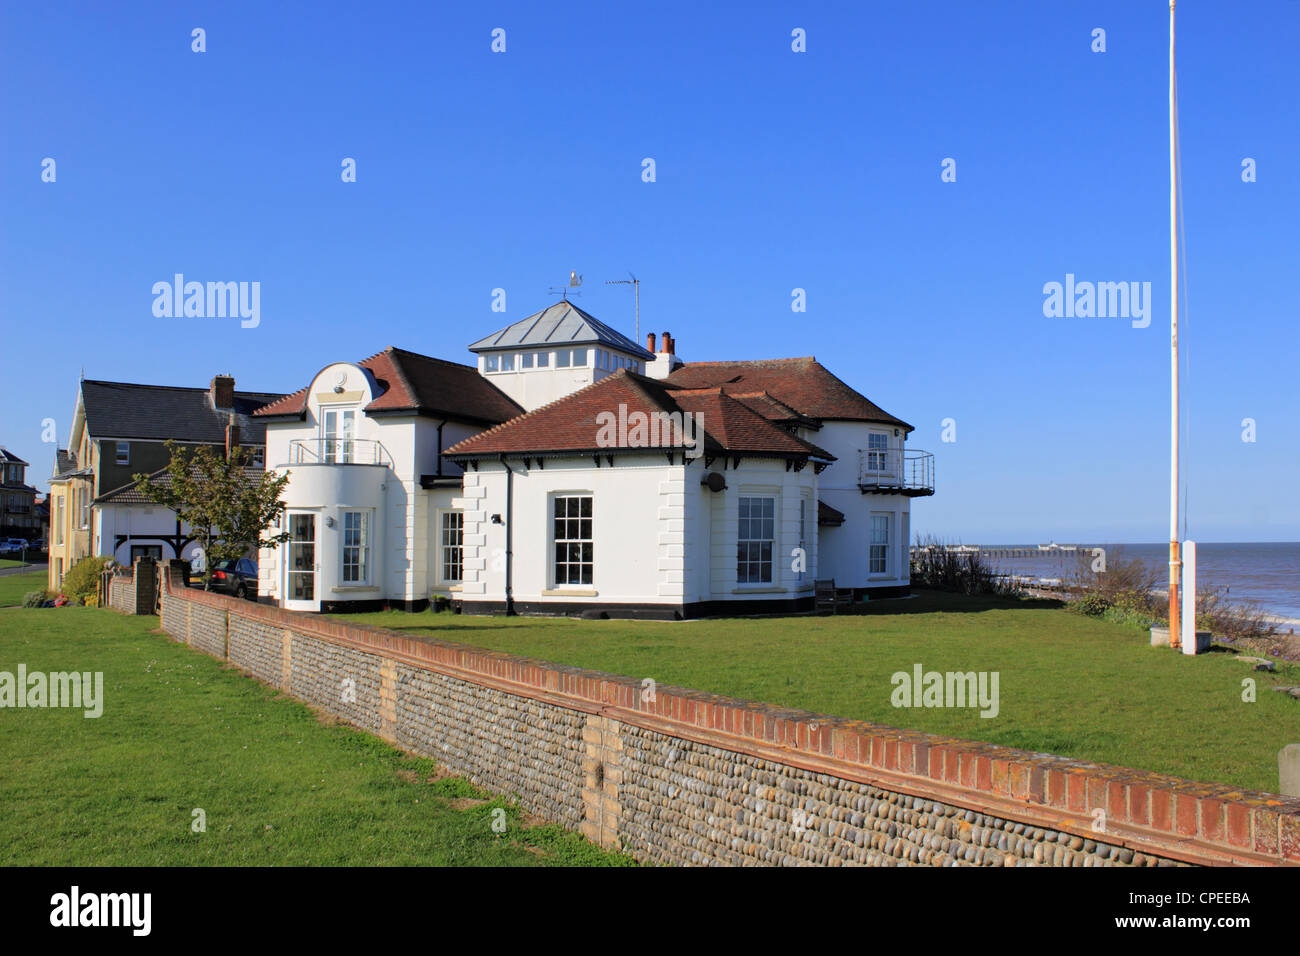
<point x="300" y="563"/>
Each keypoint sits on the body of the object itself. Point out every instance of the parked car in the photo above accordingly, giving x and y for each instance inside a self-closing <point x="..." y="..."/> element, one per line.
<point x="236" y="577"/>
<point x="13" y="545"/>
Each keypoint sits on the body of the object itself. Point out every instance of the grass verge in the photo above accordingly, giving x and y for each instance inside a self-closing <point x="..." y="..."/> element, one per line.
<point x="1070" y="685"/>
<point x="277" y="783"/>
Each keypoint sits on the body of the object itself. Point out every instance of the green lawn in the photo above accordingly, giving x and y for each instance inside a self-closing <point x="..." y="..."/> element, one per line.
<point x="1068" y="684"/>
<point x="11" y="563"/>
<point x="14" y="586"/>
<point x="180" y="731"/>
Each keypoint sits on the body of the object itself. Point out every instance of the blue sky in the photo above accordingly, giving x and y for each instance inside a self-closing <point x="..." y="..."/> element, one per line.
<point x="775" y="170"/>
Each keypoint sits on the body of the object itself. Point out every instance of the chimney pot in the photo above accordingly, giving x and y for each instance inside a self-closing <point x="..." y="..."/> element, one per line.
<point x="650" y="342"/>
<point x="222" y="391"/>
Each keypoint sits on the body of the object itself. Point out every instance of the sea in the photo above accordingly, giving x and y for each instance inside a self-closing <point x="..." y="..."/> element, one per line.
<point x="1265" y="573"/>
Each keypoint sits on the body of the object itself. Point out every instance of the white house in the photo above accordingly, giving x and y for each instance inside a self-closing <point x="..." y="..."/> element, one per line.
<point x="574" y="472"/>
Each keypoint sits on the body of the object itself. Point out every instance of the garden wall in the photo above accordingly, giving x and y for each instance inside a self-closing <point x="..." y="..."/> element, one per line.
<point x="695" y="778"/>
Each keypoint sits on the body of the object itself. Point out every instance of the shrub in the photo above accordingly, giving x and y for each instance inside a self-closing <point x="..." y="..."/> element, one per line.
<point x="966" y="572"/>
<point x="1093" y="605"/>
<point x="35" y="598"/>
<point x="83" y="579"/>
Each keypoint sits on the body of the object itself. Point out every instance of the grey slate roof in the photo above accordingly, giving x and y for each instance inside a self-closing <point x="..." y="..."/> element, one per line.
<point x="10" y="458"/>
<point x="130" y="494"/>
<point x="159" y="412"/>
<point x="560" y="325"/>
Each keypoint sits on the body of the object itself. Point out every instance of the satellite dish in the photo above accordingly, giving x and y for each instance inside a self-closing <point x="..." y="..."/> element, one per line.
<point x="715" y="481"/>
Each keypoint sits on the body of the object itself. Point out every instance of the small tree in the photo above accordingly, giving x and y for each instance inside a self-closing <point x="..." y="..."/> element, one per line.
<point x="227" y="507"/>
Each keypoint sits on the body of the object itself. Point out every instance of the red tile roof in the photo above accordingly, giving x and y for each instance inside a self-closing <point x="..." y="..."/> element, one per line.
<point x="803" y="384"/>
<point x="411" y="382"/>
<point x="574" y="423"/>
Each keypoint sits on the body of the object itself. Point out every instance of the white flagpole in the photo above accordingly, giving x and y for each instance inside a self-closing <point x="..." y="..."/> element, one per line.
<point x="1175" y="563"/>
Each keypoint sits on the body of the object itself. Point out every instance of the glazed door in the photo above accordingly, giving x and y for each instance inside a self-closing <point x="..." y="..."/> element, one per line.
<point x="300" y="565"/>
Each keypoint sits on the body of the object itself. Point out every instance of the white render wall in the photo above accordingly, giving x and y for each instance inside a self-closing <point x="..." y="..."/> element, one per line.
<point x="758" y="477"/>
<point x="659" y="536"/>
<point x="533" y="388"/>
<point x="637" y="530"/>
<point x="844" y="551"/>
<point x="138" y="520"/>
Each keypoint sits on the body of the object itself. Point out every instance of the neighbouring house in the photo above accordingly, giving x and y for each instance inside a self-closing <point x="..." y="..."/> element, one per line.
<point x="18" y="515"/>
<point x="571" y="471"/>
<point x="42" y="510"/>
<point x="120" y="430"/>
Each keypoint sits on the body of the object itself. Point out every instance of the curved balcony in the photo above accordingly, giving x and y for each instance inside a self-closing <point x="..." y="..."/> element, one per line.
<point x="338" y="451"/>
<point x="896" y="471"/>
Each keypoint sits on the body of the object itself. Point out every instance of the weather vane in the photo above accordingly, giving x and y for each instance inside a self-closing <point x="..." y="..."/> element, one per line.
<point x="575" y="280"/>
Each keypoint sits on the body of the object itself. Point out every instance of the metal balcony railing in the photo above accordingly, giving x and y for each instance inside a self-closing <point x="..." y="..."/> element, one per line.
<point x="338" y="451"/>
<point x="904" y="471"/>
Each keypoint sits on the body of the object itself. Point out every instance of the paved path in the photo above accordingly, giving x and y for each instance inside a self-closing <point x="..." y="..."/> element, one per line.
<point x="24" y="570"/>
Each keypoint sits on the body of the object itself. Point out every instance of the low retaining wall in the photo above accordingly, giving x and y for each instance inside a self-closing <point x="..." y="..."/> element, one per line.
<point x="695" y="778"/>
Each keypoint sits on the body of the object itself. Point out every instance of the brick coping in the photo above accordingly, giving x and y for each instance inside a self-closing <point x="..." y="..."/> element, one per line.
<point x="1194" y="822"/>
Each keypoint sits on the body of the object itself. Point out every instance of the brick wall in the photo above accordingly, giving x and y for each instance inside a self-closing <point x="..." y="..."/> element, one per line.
<point x="696" y="779"/>
<point x="133" y="590"/>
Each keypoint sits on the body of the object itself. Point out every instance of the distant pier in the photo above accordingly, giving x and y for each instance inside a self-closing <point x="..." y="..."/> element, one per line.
<point x="1013" y="551"/>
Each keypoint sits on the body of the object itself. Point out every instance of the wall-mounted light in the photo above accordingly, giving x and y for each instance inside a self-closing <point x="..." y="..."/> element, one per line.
<point x="895" y="432"/>
<point x="496" y="519"/>
<point x="329" y="521"/>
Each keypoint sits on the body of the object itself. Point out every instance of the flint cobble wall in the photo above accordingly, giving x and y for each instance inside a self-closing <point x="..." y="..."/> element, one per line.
<point x="255" y="646"/>
<point x="208" y="629"/>
<point x="689" y="778"/>
<point x="689" y="803"/>
<point x="344" y="681"/>
<point x="502" y="742"/>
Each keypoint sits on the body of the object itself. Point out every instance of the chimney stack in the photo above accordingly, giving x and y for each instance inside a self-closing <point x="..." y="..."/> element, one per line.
<point x="222" y="391"/>
<point x="232" y="435"/>
<point x="650" y="342"/>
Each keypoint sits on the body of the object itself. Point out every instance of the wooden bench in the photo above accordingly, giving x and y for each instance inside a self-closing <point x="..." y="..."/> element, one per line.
<point x="827" y="597"/>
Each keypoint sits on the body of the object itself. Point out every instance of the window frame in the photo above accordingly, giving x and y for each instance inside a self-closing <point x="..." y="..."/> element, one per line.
<point x="556" y="540"/>
<point x="444" y="546"/>
<point x="362" y="548"/>
<point x="339" y="447"/>
<point x="883" y="452"/>
<point x="122" y="453"/>
<point x="747" y="558"/>
<point x="884" y="546"/>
